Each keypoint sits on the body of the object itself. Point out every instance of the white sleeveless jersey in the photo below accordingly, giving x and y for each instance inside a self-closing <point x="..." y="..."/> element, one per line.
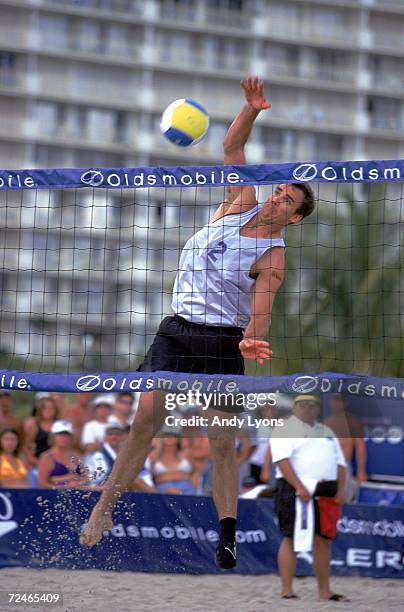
<point x="213" y="285"/>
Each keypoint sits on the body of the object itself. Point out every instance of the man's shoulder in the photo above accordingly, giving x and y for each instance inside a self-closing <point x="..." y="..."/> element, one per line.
<point x="290" y="426"/>
<point x="238" y="206"/>
<point x="89" y="424"/>
<point x="12" y="420"/>
<point x="325" y="430"/>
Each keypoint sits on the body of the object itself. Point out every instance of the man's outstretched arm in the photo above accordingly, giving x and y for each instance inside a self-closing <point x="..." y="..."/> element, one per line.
<point x="242" y="198"/>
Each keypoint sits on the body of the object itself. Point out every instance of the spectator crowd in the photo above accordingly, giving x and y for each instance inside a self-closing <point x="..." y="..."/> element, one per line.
<point x="74" y="445"/>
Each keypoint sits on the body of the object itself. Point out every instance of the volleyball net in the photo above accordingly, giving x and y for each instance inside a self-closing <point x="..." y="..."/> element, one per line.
<point x="89" y="258"/>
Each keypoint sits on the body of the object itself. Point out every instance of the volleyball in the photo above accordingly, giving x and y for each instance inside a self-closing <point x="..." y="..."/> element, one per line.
<point x="184" y="122"/>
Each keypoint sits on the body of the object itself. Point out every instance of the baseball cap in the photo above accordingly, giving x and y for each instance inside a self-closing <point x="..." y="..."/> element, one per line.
<point x="62" y="427"/>
<point x="107" y="400"/>
<point x="307" y="398"/>
<point x="116" y="425"/>
<point x="42" y="395"/>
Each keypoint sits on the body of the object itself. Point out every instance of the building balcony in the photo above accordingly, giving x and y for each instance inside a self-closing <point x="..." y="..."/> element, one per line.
<point x="387" y="122"/>
<point x="388" y="40"/>
<point x="133" y="8"/>
<point x="384" y="5"/>
<point x="200" y="18"/>
<point x="388" y="84"/>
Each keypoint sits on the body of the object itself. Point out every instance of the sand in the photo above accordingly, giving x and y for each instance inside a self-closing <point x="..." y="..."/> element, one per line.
<point x="94" y="590"/>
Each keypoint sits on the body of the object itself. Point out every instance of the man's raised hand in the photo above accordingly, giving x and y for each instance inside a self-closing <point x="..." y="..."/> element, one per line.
<point x="254" y="93"/>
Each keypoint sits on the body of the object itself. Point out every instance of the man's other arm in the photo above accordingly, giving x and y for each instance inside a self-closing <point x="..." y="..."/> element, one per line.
<point x="290" y="475"/>
<point x="270" y="271"/>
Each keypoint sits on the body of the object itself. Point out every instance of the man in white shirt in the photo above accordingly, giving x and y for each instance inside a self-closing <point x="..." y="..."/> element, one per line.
<point x="93" y="433"/>
<point x="306" y="450"/>
<point x="100" y="463"/>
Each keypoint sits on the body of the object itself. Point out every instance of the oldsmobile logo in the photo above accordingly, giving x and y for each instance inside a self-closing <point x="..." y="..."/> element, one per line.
<point x="304" y="384"/>
<point x="88" y="383"/>
<point x="305" y="172"/>
<point x="93" y="178"/>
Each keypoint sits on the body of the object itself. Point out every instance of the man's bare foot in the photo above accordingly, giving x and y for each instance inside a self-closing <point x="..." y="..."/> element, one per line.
<point x="99" y="522"/>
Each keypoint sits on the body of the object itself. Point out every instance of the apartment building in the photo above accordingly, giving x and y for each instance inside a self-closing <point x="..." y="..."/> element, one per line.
<point x="83" y="84"/>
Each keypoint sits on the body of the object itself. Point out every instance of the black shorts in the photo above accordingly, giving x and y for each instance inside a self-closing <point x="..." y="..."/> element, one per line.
<point x="182" y="346"/>
<point x="285" y="504"/>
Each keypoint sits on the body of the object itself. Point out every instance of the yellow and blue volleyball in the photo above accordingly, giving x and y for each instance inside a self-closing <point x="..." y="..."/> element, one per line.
<point x="184" y="122"/>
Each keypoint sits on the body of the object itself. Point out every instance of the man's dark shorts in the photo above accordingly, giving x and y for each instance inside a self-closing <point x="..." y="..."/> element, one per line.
<point x="285" y="504"/>
<point x="182" y="346"/>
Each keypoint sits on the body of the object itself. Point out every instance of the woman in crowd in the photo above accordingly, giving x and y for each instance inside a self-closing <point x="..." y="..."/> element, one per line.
<point x="172" y="471"/>
<point x="13" y="471"/>
<point x="38" y="427"/>
<point x="57" y="467"/>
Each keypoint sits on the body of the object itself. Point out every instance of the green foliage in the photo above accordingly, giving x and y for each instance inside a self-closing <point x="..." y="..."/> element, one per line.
<point x="340" y="307"/>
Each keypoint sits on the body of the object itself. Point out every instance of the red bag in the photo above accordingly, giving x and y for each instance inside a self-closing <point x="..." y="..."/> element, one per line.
<point x="330" y="513"/>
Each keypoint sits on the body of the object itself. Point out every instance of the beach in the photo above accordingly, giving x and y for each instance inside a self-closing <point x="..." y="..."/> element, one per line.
<point x="95" y="590"/>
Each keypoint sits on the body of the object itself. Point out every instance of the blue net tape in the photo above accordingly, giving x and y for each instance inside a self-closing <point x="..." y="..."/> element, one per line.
<point x="326" y="382"/>
<point x="206" y="176"/>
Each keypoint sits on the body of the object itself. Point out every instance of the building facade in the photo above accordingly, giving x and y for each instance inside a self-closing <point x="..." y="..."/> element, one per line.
<point x="83" y="84"/>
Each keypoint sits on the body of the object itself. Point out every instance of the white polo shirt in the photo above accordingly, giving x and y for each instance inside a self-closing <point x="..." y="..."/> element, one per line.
<point x="93" y="431"/>
<point x="313" y="451"/>
<point x="98" y="468"/>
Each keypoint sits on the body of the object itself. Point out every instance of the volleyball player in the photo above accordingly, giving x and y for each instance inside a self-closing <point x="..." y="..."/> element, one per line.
<point x="229" y="273"/>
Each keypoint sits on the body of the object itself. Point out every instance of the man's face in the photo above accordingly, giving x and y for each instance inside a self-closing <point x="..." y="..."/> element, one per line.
<point x="306" y="410"/>
<point x="280" y="208"/>
<point x="337" y="405"/>
<point x="114" y="437"/>
<point x="123" y="405"/>
<point x="5" y="403"/>
<point x="102" y="412"/>
<point x="63" y="439"/>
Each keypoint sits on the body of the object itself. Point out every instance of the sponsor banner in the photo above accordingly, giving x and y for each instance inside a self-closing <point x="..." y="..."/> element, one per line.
<point x="382" y="496"/>
<point x="200" y="176"/>
<point x="178" y="534"/>
<point x="326" y="382"/>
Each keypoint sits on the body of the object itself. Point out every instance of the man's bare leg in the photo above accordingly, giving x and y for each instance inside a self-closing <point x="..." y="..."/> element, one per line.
<point x="128" y="464"/>
<point x="321" y="562"/>
<point x="225" y="466"/>
<point x="287" y="566"/>
<point x="225" y="487"/>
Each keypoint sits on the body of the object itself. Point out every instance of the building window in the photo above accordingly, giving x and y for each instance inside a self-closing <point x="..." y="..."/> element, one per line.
<point x="324" y="146"/>
<point x="385" y="113"/>
<point x="89" y="36"/>
<point x="118" y="40"/>
<point x="279" y="145"/>
<point x="7" y="68"/>
<point x="48" y="117"/>
<point x="232" y="5"/>
<point x="282" y="59"/>
<point x="101" y="125"/>
<point x="183" y="10"/>
<point x="53" y="31"/>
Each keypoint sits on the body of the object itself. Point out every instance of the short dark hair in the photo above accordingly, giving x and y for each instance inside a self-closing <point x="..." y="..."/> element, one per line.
<point x="309" y="202"/>
<point x="124" y="394"/>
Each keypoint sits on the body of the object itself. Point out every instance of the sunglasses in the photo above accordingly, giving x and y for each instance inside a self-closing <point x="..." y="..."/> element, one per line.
<point x="308" y="404"/>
